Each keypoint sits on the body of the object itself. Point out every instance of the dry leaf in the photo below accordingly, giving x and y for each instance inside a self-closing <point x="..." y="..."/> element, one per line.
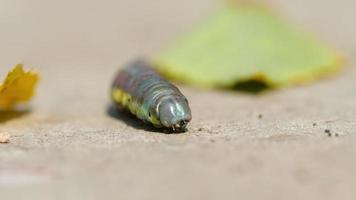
<point x="18" y="87"/>
<point x="246" y="44"/>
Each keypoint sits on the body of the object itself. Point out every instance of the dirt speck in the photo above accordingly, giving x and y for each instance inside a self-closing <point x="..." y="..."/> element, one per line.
<point x="328" y="132"/>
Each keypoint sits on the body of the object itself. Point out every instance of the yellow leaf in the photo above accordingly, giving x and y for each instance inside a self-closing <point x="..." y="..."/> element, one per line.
<point x="18" y="87"/>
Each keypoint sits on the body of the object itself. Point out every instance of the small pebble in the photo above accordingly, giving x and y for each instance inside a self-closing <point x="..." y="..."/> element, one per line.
<point x="4" y="138"/>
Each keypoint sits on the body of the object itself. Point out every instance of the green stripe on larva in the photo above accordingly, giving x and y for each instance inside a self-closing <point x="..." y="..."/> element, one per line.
<point x="140" y="90"/>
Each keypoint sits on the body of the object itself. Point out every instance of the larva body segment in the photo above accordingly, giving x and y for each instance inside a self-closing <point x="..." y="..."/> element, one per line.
<point x="139" y="89"/>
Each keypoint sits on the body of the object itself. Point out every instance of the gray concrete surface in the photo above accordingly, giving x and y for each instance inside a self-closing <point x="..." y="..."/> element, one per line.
<point x="68" y="147"/>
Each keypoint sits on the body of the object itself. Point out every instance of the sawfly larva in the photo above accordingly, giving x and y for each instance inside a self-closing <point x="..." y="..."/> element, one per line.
<point x="139" y="89"/>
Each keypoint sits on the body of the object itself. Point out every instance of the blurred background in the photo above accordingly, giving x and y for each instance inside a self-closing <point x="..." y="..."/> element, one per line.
<point x="44" y="32"/>
<point x="74" y="39"/>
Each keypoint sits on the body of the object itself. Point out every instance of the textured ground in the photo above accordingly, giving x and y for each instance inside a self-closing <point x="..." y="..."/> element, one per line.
<point x="68" y="147"/>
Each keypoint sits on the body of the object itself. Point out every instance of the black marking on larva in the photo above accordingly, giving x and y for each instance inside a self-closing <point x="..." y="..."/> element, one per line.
<point x="150" y="97"/>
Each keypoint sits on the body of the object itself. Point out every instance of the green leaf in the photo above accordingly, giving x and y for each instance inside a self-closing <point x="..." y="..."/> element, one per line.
<point x="239" y="44"/>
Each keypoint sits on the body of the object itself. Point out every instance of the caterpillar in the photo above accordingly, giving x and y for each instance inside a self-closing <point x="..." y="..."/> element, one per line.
<point x="139" y="89"/>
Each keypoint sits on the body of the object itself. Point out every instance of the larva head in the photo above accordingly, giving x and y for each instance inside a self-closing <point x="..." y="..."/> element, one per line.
<point x="174" y="113"/>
